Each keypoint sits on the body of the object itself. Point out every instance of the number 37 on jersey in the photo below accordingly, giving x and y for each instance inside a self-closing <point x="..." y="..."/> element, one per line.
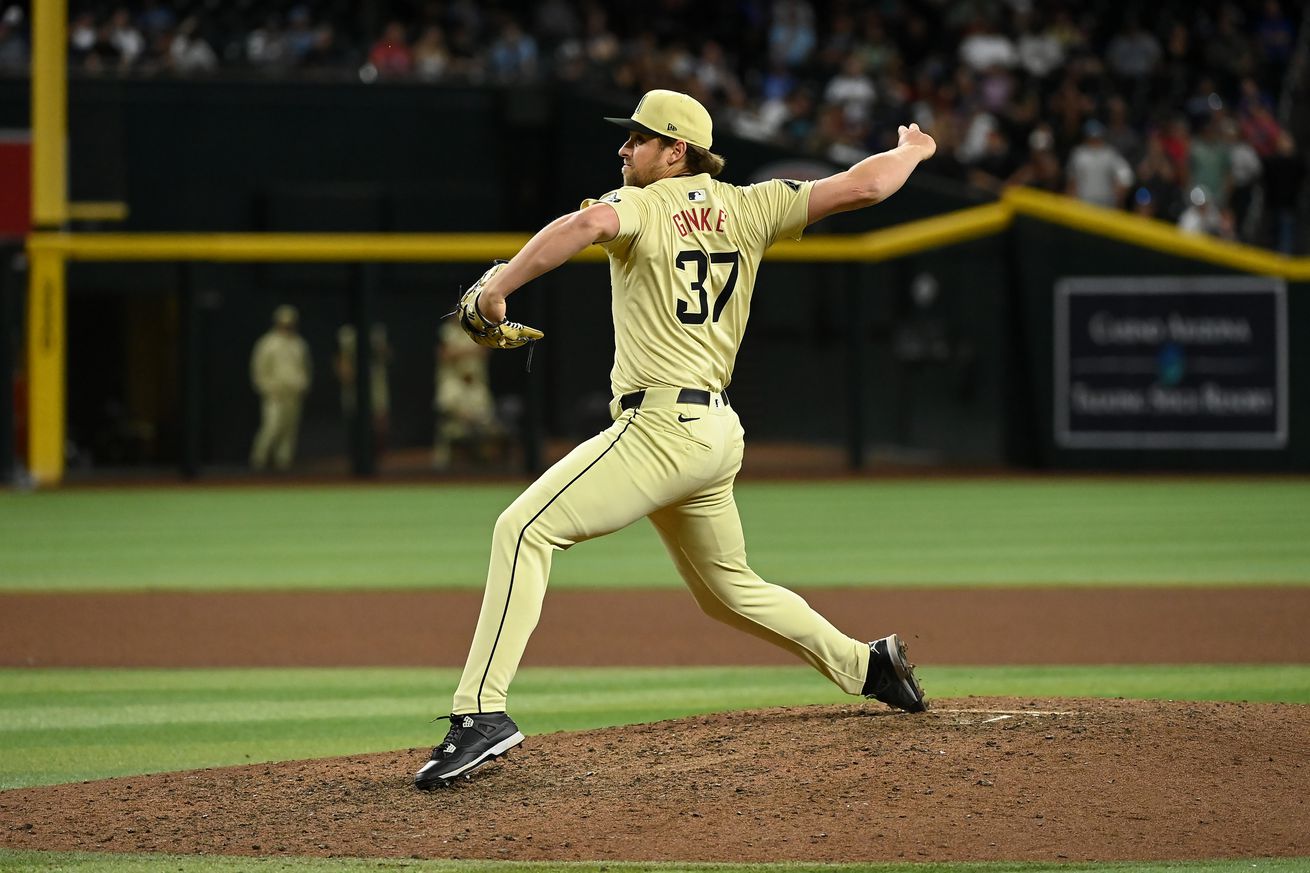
<point x="710" y="275"/>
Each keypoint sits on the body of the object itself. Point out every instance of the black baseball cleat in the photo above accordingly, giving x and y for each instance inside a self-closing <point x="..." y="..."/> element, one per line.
<point x="472" y="741"/>
<point x="891" y="676"/>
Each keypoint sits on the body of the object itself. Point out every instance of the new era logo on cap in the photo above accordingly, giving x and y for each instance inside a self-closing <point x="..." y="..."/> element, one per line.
<point x="671" y="113"/>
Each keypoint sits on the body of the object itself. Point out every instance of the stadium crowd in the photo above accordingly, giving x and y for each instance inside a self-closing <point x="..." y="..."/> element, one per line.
<point x="1174" y="109"/>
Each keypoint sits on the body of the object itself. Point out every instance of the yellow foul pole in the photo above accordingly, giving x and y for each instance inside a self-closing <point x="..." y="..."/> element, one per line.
<point x="46" y="325"/>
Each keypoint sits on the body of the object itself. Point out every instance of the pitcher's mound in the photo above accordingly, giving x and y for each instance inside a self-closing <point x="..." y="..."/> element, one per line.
<point x="974" y="779"/>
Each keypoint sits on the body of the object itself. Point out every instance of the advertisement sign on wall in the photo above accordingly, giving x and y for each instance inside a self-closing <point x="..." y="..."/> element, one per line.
<point x="1171" y="362"/>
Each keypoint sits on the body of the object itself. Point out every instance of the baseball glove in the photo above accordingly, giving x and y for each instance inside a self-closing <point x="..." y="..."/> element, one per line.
<point x="506" y="335"/>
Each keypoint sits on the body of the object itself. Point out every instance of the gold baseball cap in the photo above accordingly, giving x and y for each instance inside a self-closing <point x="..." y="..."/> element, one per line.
<point x="672" y="114"/>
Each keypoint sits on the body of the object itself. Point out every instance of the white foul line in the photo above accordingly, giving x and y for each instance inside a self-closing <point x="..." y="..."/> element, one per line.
<point x="1002" y="712"/>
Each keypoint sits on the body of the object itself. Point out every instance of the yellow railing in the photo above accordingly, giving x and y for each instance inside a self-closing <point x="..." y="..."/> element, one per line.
<point x="879" y="245"/>
<point x="1150" y="233"/>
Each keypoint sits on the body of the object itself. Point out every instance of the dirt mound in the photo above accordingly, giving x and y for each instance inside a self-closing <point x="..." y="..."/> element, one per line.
<point x="975" y="779"/>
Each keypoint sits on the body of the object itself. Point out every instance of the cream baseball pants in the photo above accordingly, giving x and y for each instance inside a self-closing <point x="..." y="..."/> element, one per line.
<point x="675" y="464"/>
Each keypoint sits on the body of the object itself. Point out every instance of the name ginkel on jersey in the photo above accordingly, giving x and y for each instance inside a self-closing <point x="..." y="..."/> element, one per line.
<point x="689" y="220"/>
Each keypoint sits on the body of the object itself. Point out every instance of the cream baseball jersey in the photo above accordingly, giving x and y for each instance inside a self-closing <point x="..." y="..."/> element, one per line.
<point x="683" y="269"/>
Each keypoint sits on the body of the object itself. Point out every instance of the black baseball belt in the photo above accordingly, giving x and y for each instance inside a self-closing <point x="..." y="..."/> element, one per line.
<point x="685" y="395"/>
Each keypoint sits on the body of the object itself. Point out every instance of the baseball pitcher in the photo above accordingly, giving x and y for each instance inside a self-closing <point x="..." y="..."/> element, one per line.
<point x="683" y="253"/>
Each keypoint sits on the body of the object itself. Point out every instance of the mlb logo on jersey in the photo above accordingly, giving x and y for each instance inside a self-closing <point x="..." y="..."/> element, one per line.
<point x="696" y="196"/>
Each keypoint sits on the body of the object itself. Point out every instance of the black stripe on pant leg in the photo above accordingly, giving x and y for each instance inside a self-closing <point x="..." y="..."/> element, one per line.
<point x="519" y="544"/>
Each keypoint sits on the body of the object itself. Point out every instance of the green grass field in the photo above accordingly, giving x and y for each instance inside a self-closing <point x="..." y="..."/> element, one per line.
<point x="69" y="725"/>
<point x="934" y="532"/>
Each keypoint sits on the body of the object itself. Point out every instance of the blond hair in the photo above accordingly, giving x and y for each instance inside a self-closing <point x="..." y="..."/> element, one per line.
<point x="699" y="160"/>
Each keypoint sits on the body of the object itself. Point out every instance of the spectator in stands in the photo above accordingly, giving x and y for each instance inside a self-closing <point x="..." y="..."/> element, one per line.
<point x="326" y="53"/>
<point x="1255" y="114"/>
<point x="877" y="49"/>
<point x="852" y="90"/>
<point x="1119" y="132"/>
<point x="1042" y="168"/>
<point x="798" y="126"/>
<point x="300" y="35"/>
<point x="1228" y="50"/>
<point x="1284" y="175"/>
<point x="513" y="55"/>
<point x="81" y="37"/>
<point x="1205" y="216"/>
<point x="556" y="22"/>
<point x="1039" y="50"/>
<point x="1209" y="163"/>
<point x="188" y="52"/>
<point x="1133" y="53"/>
<point x="467" y="53"/>
<point x="13" y="44"/>
<point x="1068" y="109"/>
<point x="126" y="40"/>
<point x="792" y="36"/>
<point x="996" y="89"/>
<point x="600" y="45"/>
<point x="1177" y="68"/>
<point x="715" y="76"/>
<point x="267" y="48"/>
<point x="984" y="47"/>
<point x="975" y="136"/>
<point x="991" y="170"/>
<point x="1158" y="194"/>
<point x="431" y="56"/>
<point x="916" y="40"/>
<point x="1097" y="173"/>
<point x="838" y="44"/>
<point x="1275" y="37"/>
<point x="1203" y="102"/>
<point x="155" y="18"/>
<point x="391" y="55"/>
<point x="1244" y="174"/>
<point x="1176" y="141"/>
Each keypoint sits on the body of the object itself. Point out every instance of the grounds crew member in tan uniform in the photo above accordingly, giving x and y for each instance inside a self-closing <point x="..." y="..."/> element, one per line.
<point x="280" y="372"/>
<point x="465" y="408"/>
<point x="683" y="253"/>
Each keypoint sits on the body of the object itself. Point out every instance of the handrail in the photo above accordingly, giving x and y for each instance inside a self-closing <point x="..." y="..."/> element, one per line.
<point x="879" y="245"/>
<point x="1151" y="233"/>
